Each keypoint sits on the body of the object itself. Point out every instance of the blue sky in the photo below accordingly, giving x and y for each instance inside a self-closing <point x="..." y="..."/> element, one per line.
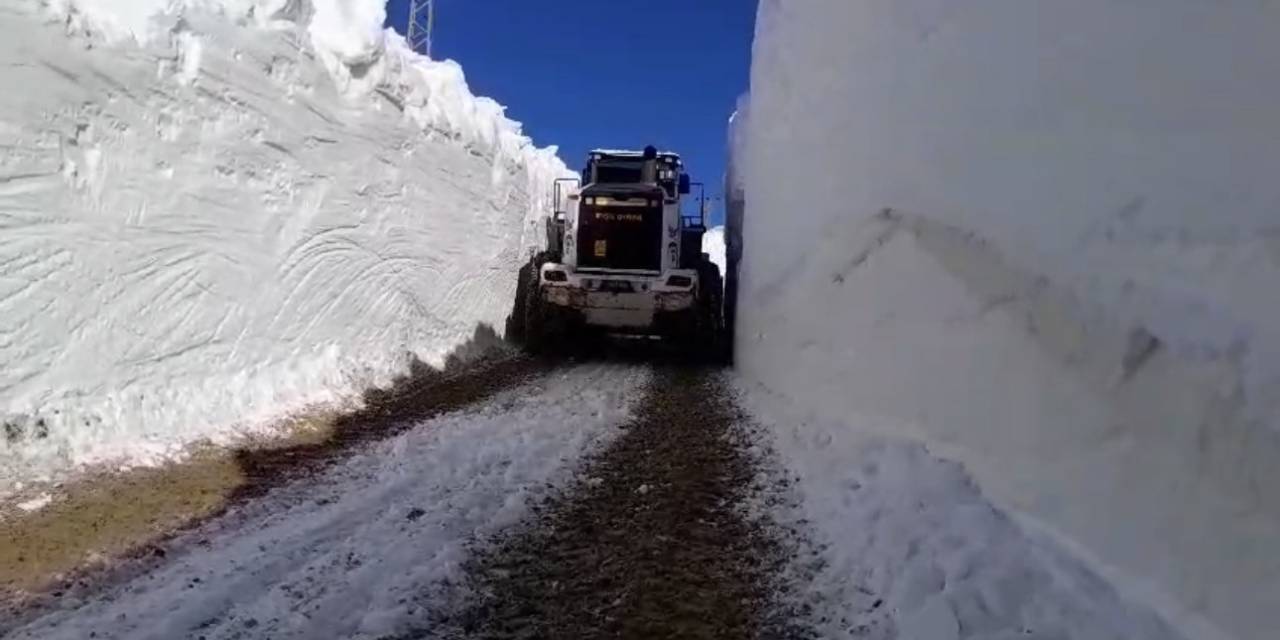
<point x="605" y="73"/>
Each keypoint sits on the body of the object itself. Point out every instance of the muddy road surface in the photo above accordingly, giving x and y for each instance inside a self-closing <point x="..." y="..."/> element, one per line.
<point x="651" y="542"/>
<point x="601" y="499"/>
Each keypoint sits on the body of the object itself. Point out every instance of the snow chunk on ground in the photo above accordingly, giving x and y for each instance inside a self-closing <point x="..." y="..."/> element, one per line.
<point x="37" y="503"/>
<point x="218" y="213"/>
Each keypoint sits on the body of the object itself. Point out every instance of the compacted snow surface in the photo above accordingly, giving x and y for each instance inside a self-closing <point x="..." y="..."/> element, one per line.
<point x="367" y="548"/>
<point x="216" y="213"/>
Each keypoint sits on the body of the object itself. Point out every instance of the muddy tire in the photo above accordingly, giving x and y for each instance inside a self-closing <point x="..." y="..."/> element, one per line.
<point x="536" y="336"/>
<point x="517" y="321"/>
<point x="711" y="344"/>
<point x="542" y="327"/>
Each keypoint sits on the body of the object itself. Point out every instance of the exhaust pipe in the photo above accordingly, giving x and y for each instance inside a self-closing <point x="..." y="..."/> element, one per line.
<point x="649" y="174"/>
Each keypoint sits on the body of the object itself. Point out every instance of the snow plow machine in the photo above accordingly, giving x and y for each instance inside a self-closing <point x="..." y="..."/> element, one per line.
<point x="622" y="260"/>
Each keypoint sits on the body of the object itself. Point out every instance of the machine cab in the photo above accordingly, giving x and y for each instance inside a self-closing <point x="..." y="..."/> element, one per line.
<point x="627" y="213"/>
<point x="650" y="166"/>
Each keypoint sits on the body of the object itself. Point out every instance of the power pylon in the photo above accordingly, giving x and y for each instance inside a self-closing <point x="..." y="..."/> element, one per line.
<point x="422" y="17"/>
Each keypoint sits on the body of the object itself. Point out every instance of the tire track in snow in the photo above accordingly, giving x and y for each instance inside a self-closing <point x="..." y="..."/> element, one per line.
<point x="349" y="552"/>
<point x="655" y="542"/>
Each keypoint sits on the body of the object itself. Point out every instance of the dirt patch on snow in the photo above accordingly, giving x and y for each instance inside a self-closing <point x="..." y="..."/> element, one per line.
<point x="95" y="527"/>
<point x="652" y="542"/>
<point x="107" y="515"/>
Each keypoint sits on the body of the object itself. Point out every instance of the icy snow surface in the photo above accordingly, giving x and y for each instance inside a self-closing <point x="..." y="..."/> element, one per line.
<point x="1075" y="293"/>
<point x="367" y="548"/>
<point x="215" y="213"/>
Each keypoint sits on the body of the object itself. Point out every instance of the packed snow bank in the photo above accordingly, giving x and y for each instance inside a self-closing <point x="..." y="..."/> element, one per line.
<point x="1071" y="295"/>
<point x="375" y="546"/>
<point x="908" y="548"/>
<point x="217" y="213"/>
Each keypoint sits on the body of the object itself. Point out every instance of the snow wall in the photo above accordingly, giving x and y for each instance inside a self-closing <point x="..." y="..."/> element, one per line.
<point x="215" y="213"/>
<point x="1044" y="239"/>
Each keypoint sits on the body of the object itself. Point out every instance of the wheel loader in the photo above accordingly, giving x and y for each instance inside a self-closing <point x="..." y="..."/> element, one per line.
<point x="621" y="259"/>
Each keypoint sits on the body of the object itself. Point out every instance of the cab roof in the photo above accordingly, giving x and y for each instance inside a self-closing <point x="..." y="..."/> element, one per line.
<point x="631" y="153"/>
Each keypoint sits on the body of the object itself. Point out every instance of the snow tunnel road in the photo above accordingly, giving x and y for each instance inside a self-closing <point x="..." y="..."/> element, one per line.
<point x="357" y="549"/>
<point x="651" y="541"/>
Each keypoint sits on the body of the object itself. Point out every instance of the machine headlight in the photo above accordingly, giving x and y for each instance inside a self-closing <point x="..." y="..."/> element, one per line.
<point x="679" y="281"/>
<point x="555" y="276"/>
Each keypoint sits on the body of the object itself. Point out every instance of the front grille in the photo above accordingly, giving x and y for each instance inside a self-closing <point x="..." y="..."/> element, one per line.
<point x="620" y="237"/>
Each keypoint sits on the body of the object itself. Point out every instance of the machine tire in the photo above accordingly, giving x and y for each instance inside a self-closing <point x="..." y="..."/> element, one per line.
<point x="535" y="338"/>
<point x="541" y="331"/>
<point x="517" y="321"/>
<point x="711" y="344"/>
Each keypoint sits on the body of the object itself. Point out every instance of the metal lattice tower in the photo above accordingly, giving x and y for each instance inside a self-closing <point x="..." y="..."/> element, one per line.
<point x="422" y="17"/>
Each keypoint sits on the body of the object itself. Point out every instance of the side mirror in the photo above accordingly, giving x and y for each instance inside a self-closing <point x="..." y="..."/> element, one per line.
<point x="684" y="184"/>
